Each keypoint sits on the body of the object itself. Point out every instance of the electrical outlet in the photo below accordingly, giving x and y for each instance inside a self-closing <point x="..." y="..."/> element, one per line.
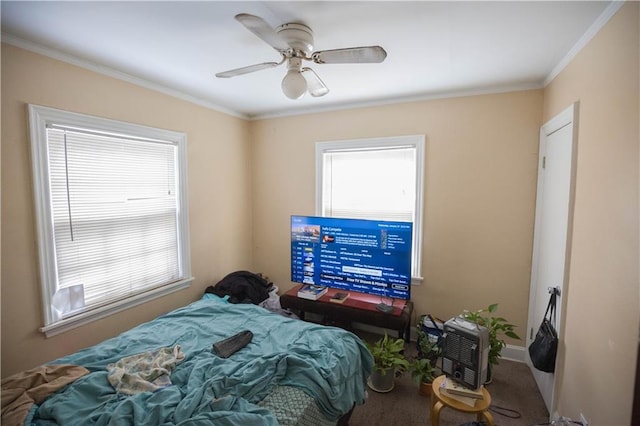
<point x="583" y="420"/>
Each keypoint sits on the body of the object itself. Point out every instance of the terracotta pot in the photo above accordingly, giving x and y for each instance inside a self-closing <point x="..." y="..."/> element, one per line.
<point x="425" y="389"/>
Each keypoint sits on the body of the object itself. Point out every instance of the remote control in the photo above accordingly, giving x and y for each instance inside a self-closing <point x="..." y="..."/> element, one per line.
<point x="227" y="347"/>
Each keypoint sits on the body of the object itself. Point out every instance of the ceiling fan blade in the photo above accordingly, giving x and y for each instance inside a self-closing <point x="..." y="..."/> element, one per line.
<point x="247" y="70"/>
<point x="259" y="27"/>
<point x="352" y="55"/>
<point x="315" y="86"/>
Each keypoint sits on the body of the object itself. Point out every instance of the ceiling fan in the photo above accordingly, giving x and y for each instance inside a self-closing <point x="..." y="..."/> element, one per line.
<point x="295" y="43"/>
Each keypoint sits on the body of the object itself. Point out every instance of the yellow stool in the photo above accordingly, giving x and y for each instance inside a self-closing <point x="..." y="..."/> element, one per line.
<point x="439" y="401"/>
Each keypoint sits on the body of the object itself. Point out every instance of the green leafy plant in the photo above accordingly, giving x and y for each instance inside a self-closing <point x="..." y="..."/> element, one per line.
<point x="387" y="353"/>
<point x="427" y="347"/>
<point x="422" y="371"/>
<point x="498" y="328"/>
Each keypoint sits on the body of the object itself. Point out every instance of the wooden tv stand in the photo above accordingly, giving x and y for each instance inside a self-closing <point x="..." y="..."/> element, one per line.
<point x="358" y="307"/>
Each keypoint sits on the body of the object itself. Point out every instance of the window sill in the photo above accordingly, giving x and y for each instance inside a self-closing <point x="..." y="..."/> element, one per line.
<point x="84" y="318"/>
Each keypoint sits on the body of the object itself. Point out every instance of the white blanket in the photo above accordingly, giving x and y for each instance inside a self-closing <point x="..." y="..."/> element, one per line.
<point x="144" y="372"/>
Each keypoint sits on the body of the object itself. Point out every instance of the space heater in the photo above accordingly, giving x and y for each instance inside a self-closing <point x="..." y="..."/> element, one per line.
<point x="465" y="352"/>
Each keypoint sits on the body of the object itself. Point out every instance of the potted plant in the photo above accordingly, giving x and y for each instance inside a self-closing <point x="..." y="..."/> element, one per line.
<point x="428" y="347"/>
<point x="423" y="373"/>
<point x="387" y="356"/>
<point x="498" y="328"/>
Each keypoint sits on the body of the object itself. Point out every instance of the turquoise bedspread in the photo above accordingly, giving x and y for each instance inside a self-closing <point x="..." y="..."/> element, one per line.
<point x="329" y="364"/>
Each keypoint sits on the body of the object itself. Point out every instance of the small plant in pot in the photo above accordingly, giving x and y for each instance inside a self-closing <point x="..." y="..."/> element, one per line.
<point x="498" y="328"/>
<point x="423" y="373"/>
<point x="387" y="356"/>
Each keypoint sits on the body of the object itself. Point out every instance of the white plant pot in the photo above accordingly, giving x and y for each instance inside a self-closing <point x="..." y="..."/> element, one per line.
<point x="380" y="382"/>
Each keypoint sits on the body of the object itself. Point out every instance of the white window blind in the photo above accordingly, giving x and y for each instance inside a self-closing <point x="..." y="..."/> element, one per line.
<point x="370" y="184"/>
<point x="373" y="179"/>
<point x="116" y="215"/>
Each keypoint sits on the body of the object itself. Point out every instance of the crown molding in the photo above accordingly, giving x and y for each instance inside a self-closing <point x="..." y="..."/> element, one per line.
<point x="489" y="90"/>
<point x="604" y="17"/>
<point x="110" y="72"/>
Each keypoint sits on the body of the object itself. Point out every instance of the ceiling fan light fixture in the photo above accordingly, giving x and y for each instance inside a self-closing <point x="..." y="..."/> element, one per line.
<point x="294" y="85"/>
<point x="294" y="42"/>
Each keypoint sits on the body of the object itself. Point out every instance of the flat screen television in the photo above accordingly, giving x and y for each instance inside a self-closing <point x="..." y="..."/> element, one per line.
<point x="367" y="256"/>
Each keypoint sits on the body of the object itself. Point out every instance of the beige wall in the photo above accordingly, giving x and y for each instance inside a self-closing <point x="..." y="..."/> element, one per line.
<point x="479" y="193"/>
<point x="246" y="179"/>
<point x="219" y="203"/>
<point x="598" y="355"/>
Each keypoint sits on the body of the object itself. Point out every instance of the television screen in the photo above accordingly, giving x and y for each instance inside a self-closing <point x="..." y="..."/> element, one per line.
<point x="367" y="256"/>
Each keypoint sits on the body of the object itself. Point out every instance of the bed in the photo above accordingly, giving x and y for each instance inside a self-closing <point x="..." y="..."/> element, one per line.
<point x="291" y="373"/>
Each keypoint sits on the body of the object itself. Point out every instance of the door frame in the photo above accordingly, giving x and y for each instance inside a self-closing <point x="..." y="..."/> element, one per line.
<point x="569" y="116"/>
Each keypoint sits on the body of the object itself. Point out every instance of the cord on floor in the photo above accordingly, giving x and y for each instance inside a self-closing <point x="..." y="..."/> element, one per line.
<point x="507" y="412"/>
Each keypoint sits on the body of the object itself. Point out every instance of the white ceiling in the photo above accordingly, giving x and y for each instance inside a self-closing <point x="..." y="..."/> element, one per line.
<point x="434" y="48"/>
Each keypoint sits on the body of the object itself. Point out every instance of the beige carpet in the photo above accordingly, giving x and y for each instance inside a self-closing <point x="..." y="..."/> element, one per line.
<point x="513" y="387"/>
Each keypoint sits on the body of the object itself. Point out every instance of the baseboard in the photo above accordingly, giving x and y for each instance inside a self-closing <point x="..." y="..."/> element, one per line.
<point x="514" y="353"/>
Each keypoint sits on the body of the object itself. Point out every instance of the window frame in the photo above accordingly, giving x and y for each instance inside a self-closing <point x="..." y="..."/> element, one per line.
<point x="415" y="141"/>
<point x="39" y="118"/>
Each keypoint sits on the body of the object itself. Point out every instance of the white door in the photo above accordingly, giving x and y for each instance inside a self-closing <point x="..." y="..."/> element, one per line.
<point x="554" y="211"/>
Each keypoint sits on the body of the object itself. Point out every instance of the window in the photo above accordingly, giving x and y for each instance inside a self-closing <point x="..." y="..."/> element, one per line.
<point x="111" y="207"/>
<point x="373" y="179"/>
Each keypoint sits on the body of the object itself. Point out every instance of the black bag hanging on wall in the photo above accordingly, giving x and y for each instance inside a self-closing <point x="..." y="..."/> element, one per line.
<point x="544" y="347"/>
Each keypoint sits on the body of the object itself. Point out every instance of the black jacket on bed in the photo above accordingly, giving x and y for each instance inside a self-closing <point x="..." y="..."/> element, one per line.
<point x="242" y="287"/>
